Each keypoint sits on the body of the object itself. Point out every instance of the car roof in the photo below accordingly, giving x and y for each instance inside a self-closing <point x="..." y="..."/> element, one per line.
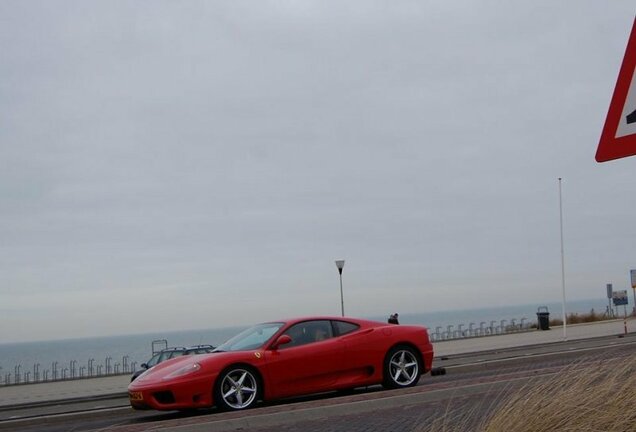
<point x="333" y="318"/>
<point x="172" y="349"/>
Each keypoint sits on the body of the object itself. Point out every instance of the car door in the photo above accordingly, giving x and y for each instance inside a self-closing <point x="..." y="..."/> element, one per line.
<point x="362" y="357"/>
<point x="309" y="363"/>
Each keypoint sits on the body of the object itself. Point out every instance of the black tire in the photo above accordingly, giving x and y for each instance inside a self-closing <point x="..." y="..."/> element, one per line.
<point x="237" y="388"/>
<point x="402" y="367"/>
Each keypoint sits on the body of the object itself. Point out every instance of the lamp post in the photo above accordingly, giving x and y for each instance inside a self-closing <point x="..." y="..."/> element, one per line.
<point x="340" y="265"/>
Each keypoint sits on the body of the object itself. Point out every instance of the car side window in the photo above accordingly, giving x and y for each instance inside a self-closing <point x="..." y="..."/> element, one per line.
<point x="308" y="332"/>
<point x="344" y="327"/>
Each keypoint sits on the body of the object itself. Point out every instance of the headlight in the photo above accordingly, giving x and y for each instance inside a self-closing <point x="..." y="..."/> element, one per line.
<point x="185" y="370"/>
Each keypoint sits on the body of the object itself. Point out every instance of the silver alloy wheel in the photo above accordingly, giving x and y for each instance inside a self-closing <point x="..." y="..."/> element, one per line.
<point x="239" y="388"/>
<point x="403" y="367"/>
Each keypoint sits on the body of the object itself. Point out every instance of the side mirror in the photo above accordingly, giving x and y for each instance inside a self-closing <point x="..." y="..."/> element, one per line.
<point x="144" y="366"/>
<point x="282" y="340"/>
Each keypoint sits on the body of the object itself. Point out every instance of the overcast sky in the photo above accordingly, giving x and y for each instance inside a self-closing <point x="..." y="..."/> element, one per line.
<point x="175" y="165"/>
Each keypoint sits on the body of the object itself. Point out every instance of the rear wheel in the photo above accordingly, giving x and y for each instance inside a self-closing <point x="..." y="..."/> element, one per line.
<point x="237" y="388"/>
<point x="401" y="367"/>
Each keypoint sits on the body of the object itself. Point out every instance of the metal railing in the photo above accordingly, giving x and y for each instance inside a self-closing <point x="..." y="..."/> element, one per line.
<point x="485" y="329"/>
<point x="62" y="372"/>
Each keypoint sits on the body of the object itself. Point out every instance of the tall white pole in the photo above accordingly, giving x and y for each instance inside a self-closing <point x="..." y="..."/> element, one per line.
<point x="562" y="263"/>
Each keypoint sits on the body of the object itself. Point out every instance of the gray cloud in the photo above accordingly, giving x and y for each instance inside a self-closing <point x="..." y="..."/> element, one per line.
<point x="210" y="160"/>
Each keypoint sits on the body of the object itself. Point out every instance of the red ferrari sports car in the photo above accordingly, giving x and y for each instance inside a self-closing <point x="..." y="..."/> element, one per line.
<point x="288" y="358"/>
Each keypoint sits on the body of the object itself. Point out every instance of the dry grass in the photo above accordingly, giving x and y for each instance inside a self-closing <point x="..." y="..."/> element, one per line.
<point x="594" y="396"/>
<point x="576" y="318"/>
<point x="580" y="318"/>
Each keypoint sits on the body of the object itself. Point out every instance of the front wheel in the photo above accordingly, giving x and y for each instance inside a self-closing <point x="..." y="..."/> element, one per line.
<point x="401" y="368"/>
<point x="237" y="388"/>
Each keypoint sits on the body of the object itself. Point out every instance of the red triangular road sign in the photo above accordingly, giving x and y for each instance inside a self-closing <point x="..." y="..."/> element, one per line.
<point x="618" y="138"/>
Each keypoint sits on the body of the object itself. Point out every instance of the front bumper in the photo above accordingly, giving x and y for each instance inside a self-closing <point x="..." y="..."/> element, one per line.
<point x="172" y="395"/>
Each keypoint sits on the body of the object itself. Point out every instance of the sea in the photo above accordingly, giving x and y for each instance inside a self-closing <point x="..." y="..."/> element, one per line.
<point x="134" y="349"/>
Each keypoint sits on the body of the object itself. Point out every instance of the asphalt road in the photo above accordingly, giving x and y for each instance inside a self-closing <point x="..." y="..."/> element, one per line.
<point x="473" y="383"/>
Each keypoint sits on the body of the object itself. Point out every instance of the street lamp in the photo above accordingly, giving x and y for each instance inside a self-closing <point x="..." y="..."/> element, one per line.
<point x="340" y="265"/>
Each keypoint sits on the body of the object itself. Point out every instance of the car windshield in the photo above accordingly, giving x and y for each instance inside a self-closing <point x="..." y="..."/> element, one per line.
<point x="153" y="361"/>
<point x="252" y="338"/>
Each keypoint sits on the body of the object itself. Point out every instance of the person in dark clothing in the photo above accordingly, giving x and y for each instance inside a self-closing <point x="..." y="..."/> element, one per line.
<point x="393" y="319"/>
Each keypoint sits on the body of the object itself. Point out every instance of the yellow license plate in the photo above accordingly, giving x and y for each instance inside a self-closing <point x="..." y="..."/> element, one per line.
<point x="136" y="396"/>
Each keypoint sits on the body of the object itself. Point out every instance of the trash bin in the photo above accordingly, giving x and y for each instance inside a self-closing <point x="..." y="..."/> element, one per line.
<point x="543" y="317"/>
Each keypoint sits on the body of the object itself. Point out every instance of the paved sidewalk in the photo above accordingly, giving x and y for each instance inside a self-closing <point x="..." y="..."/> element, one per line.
<point x="555" y="334"/>
<point x="62" y="390"/>
<point x="113" y="385"/>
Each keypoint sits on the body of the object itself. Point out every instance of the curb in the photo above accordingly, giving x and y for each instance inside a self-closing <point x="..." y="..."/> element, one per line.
<point x="67" y="401"/>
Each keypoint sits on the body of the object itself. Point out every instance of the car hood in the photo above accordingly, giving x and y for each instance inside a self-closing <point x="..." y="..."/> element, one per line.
<point x="184" y="368"/>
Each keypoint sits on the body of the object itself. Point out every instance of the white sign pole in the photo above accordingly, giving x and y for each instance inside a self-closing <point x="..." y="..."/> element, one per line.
<point x="633" y="277"/>
<point x="565" y="337"/>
